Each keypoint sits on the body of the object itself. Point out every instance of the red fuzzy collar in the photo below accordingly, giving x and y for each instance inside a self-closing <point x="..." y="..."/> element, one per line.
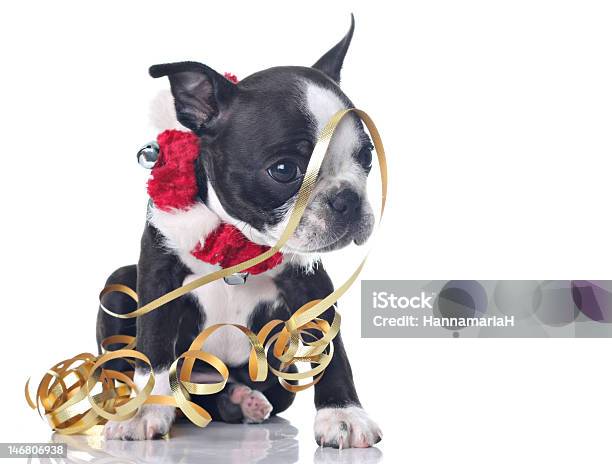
<point x="173" y="186"/>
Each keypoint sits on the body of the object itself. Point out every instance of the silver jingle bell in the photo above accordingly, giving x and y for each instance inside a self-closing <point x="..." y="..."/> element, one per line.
<point x="148" y="154"/>
<point x="239" y="278"/>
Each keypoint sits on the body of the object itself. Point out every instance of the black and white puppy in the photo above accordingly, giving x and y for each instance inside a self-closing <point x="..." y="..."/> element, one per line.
<point x="256" y="139"/>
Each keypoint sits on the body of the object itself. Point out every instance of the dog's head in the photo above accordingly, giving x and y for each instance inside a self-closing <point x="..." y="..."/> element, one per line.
<point x="257" y="137"/>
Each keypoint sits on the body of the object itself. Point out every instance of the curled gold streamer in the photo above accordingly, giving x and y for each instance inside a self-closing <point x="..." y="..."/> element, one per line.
<point x="65" y="393"/>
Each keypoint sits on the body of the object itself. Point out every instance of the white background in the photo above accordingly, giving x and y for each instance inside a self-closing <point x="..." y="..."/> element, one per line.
<point x="497" y="120"/>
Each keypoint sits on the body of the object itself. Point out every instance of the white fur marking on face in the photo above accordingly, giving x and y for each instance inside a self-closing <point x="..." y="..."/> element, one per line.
<point x="321" y="103"/>
<point x="341" y="164"/>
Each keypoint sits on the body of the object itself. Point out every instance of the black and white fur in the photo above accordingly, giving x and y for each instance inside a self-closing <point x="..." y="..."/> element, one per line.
<point x="269" y="120"/>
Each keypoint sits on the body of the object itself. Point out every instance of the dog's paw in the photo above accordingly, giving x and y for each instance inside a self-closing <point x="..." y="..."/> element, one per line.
<point x="349" y="427"/>
<point x="150" y="423"/>
<point x="239" y="393"/>
<point x="254" y="405"/>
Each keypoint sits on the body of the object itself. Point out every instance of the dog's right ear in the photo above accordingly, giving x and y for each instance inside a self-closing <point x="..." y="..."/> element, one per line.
<point x="199" y="92"/>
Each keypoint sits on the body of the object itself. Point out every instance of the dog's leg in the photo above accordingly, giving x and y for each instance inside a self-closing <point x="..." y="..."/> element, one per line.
<point x="107" y="325"/>
<point x="152" y="421"/>
<point x="156" y="339"/>
<point x="341" y="422"/>
<point x="156" y="335"/>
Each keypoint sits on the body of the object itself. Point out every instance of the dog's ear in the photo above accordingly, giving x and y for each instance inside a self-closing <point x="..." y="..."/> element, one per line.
<point x="331" y="62"/>
<point x="199" y="92"/>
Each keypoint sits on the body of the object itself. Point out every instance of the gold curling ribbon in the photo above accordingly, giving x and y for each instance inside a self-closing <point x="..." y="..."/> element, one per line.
<point x="66" y="391"/>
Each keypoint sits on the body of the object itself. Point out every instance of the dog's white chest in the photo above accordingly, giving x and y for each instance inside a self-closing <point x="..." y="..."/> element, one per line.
<point x="221" y="303"/>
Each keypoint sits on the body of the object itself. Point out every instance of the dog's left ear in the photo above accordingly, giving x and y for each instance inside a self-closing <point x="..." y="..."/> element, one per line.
<point x="200" y="93"/>
<point x="331" y="62"/>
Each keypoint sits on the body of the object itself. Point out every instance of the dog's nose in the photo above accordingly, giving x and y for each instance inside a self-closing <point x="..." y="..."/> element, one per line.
<point x="346" y="202"/>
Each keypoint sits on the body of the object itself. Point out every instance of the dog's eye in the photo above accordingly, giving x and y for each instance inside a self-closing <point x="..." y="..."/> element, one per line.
<point x="365" y="157"/>
<point x="284" y="171"/>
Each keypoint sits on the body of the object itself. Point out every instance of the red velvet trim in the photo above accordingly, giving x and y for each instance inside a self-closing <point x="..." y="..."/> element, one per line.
<point x="231" y="77"/>
<point x="226" y="246"/>
<point x="173" y="182"/>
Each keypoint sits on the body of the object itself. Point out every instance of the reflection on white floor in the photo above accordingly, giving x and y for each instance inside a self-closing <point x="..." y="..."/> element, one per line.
<point x="274" y="441"/>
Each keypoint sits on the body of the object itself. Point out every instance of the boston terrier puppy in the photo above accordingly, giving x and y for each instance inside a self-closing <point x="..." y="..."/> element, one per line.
<point x="255" y="138"/>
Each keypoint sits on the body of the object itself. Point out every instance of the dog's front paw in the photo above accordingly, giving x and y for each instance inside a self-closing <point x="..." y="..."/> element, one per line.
<point x="349" y="427"/>
<point x="150" y="423"/>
